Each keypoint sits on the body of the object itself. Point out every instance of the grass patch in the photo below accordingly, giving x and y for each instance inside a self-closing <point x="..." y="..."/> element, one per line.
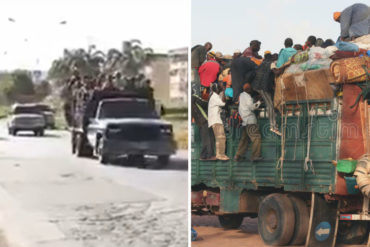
<point x="4" y="111"/>
<point x="180" y="129"/>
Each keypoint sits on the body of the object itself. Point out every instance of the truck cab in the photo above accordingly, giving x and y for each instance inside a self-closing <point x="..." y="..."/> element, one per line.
<point x="122" y="124"/>
<point x="129" y="127"/>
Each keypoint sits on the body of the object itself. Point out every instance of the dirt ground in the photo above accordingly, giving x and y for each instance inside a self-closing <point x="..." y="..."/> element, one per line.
<point x="211" y="234"/>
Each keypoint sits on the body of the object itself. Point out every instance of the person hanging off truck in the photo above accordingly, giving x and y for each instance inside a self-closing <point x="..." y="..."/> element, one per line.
<point x="216" y="101"/>
<point x="250" y="131"/>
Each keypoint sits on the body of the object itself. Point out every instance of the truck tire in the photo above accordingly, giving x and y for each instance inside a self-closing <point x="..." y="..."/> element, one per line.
<point x="353" y="232"/>
<point x="162" y="161"/>
<point x="231" y="221"/>
<point x="302" y="218"/>
<point x="82" y="148"/>
<point x="103" y="157"/>
<point x="41" y="132"/>
<point x="276" y="220"/>
<point x="73" y="142"/>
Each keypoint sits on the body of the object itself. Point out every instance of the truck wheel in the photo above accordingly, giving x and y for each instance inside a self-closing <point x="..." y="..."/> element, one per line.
<point x="41" y="132"/>
<point x="163" y="160"/>
<point x="73" y="142"/>
<point x="103" y="158"/>
<point x="231" y="221"/>
<point x="276" y="219"/>
<point x="83" y="150"/>
<point x="302" y="218"/>
<point x="36" y="133"/>
<point x="352" y="232"/>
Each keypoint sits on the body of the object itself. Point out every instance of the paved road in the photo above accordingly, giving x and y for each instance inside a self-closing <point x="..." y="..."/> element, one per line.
<point x="50" y="198"/>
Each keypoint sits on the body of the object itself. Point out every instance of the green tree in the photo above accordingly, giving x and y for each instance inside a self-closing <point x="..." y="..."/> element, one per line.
<point x="22" y="82"/>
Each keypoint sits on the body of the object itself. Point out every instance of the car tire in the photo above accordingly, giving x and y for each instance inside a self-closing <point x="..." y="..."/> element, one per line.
<point x="276" y="220"/>
<point x="302" y="218"/>
<point x="36" y="133"/>
<point x="231" y="221"/>
<point x="41" y="132"/>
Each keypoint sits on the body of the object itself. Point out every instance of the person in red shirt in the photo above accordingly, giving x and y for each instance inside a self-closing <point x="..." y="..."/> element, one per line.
<point x="208" y="71"/>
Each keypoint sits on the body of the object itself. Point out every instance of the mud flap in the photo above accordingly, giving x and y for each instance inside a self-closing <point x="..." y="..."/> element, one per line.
<point x="323" y="225"/>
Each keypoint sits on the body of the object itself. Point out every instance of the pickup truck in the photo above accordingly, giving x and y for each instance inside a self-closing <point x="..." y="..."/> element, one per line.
<point x="121" y="125"/>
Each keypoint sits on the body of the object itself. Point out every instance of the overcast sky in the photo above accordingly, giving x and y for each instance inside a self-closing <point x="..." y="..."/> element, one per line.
<point x="232" y="24"/>
<point x="36" y="37"/>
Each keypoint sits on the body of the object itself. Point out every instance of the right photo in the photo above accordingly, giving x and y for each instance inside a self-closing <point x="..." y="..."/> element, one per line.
<point x="280" y="123"/>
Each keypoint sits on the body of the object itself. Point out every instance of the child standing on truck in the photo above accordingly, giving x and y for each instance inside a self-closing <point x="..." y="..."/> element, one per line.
<point x="214" y="120"/>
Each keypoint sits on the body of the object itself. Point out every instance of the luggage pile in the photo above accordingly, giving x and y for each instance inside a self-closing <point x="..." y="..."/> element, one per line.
<point x="309" y="74"/>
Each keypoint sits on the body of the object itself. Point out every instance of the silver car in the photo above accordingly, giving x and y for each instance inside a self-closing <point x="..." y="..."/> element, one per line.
<point x="26" y="117"/>
<point x="48" y="113"/>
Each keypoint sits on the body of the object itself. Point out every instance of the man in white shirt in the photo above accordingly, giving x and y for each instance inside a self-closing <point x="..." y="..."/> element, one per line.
<point x="214" y="121"/>
<point x="250" y="128"/>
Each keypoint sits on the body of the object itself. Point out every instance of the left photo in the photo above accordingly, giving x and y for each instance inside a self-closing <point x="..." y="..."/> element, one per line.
<point x="94" y="123"/>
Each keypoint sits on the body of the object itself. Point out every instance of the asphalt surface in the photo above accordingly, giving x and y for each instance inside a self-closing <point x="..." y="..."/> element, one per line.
<point x="48" y="197"/>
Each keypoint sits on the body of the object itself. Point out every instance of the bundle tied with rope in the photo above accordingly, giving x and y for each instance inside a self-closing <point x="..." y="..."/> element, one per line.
<point x="362" y="174"/>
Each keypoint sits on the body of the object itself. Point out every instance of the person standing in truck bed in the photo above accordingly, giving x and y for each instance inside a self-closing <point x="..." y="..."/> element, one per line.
<point x="354" y="21"/>
<point x="199" y="114"/>
<point x="198" y="56"/>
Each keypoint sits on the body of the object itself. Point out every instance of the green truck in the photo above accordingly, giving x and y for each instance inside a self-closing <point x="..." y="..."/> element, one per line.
<point x="299" y="191"/>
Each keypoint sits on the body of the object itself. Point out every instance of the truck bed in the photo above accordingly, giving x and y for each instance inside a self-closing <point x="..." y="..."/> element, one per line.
<point x="268" y="173"/>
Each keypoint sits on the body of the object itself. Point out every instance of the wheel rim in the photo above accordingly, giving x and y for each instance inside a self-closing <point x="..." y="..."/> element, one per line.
<point x="271" y="221"/>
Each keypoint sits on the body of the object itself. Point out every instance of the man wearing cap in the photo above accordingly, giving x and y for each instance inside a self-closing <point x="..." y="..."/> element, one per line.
<point x="198" y="56"/>
<point x="286" y="53"/>
<point x="250" y="131"/>
<point x="208" y="71"/>
<point x="354" y="21"/>
<point x="252" y="50"/>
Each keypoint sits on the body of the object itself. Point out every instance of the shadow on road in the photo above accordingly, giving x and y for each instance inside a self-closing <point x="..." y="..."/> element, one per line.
<point x="47" y="135"/>
<point x="174" y="164"/>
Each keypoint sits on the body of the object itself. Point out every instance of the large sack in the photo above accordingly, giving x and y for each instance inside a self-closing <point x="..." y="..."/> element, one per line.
<point x="349" y="70"/>
<point x="314" y="84"/>
<point x="363" y="42"/>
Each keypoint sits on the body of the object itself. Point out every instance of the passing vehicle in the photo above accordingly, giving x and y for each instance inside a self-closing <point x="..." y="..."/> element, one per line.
<point x="49" y="115"/>
<point x="122" y="125"/>
<point x="26" y="117"/>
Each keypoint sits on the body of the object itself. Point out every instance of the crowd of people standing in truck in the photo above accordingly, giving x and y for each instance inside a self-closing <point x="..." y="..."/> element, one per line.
<point x="78" y="90"/>
<point x="245" y="79"/>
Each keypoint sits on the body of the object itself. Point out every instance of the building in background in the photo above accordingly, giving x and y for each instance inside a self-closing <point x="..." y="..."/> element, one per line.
<point x="156" y="69"/>
<point x="169" y="76"/>
<point x="178" y="60"/>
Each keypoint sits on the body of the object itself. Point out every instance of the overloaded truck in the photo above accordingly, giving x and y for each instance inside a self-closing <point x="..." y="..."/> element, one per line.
<point x="120" y="124"/>
<point x="313" y="185"/>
